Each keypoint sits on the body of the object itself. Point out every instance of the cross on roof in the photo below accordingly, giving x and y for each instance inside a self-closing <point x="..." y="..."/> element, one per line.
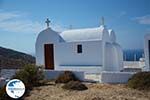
<point x="47" y="22"/>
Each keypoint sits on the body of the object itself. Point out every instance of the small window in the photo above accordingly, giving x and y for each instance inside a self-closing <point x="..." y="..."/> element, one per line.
<point x="79" y="48"/>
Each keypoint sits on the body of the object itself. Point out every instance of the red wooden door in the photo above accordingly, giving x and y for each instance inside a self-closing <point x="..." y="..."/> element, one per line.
<point x="49" y="56"/>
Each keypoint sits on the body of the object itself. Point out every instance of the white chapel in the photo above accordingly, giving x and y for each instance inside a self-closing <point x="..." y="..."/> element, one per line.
<point x="89" y="49"/>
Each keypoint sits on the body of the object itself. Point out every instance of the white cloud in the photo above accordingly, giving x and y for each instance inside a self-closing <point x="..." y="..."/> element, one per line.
<point x="20" y="23"/>
<point x="21" y="26"/>
<point x="6" y="16"/>
<point x="17" y="22"/>
<point x="143" y="19"/>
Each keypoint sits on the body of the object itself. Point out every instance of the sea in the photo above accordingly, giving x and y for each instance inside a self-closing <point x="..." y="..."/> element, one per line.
<point x="133" y="54"/>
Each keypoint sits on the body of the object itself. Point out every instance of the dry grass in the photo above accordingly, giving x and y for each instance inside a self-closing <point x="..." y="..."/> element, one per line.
<point x="96" y="91"/>
<point x="75" y="85"/>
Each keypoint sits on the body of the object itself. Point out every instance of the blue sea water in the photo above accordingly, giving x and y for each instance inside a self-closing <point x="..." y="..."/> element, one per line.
<point x="133" y="55"/>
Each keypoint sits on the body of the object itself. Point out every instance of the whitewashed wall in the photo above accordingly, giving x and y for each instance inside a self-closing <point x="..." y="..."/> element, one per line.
<point x="66" y="54"/>
<point x="47" y="36"/>
<point x="86" y="69"/>
<point x="119" y="57"/>
<point x="115" y="77"/>
<point x="146" y="51"/>
<point x="109" y="57"/>
<point x="113" y="57"/>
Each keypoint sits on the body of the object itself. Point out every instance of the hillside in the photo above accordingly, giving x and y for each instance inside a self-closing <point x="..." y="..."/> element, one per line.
<point x="14" y="59"/>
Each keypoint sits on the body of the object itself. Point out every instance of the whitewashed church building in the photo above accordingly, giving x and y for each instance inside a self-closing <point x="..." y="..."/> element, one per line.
<point x="147" y="52"/>
<point x="89" y="49"/>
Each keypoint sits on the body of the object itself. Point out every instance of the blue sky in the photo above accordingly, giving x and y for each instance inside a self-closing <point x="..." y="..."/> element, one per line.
<point x="22" y="20"/>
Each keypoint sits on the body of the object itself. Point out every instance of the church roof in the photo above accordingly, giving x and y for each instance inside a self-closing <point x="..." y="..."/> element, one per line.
<point x="87" y="34"/>
<point x="48" y="35"/>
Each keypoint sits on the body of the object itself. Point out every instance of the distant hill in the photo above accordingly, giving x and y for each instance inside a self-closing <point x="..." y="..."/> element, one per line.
<point x="14" y="59"/>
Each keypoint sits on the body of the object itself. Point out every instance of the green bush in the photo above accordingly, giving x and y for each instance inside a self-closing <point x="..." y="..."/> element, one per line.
<point x="74" y="85"/>
<point x="30" y="75"/>
<point x="140" y="81"/>
<point x="66" y="77"/>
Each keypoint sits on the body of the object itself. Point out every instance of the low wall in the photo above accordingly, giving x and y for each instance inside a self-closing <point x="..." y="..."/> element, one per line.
<point x="115" y="77"/>
<point x="2" y="82"/>
<point x="53" y="74"/>
<point x="7" y="73"/>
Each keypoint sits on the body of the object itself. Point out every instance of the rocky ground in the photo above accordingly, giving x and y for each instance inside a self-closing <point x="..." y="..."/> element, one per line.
<point x="96" y="91"/>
